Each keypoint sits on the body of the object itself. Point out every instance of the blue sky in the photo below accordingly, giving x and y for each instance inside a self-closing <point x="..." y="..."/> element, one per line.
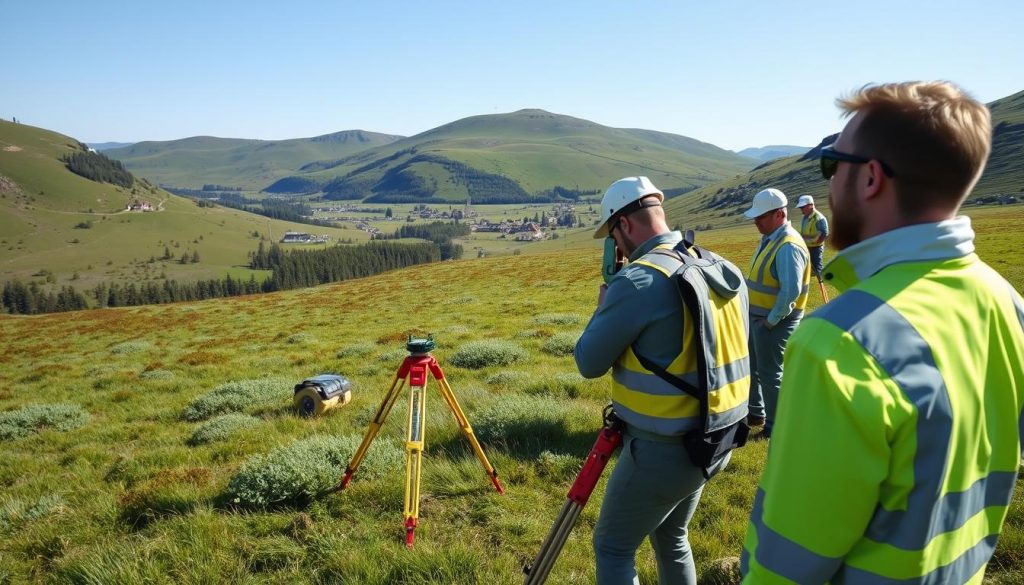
<point x="735" y="74"/>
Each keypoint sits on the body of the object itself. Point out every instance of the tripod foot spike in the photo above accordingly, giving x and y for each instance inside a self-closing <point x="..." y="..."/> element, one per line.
<point x="497" y="484"/>
<point x="410" y="531"/>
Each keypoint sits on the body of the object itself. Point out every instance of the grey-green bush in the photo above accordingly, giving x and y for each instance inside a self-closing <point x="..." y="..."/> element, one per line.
<point x="295" y="473"/>
<point x="238" y="396"/>
<point x="14" y="512"/>
<point x="558" y="319"/>
<point x="565" y="385"/>
<point x="560" y="344"/>
<point x="221" y="427"/>
<point x="356" y="350"/>
<point x="36" y="417"/>
<point x="128" y="347"/>
<point x="480" y="354"/>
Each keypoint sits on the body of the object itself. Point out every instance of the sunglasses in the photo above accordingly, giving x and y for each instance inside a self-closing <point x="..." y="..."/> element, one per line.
<point x="830" y="159"/>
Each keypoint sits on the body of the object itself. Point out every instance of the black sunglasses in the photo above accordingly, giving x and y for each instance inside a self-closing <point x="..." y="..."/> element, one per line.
<point x="830" y="159"/>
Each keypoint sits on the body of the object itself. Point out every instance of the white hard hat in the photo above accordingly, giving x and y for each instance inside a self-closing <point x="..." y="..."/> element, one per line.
<point x="620" y="194"/>
<point x="765" y="201"/>
<point x="804" y="200"/>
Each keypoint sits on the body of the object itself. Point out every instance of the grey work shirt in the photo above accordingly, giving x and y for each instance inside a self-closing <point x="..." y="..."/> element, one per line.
<point x="641" y="306"/>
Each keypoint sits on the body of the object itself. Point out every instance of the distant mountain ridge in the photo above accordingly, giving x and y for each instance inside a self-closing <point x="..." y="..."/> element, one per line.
<point x="514" y="157"/>
<point x="238" y="162"/>
<point x="101" y="146"/>
<point x="772" y="151"/>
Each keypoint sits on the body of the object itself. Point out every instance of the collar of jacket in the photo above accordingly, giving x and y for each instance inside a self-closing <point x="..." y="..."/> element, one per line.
<point x="665" y="238"/>
<point x="951" y="238"/>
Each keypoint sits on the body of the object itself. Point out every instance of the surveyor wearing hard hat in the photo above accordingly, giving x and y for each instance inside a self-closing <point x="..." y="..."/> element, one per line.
<point x="655" y="487"/>
<point x="814" y="229"/>
<point x="778" y="281"/>
<point x="898" y="444"/>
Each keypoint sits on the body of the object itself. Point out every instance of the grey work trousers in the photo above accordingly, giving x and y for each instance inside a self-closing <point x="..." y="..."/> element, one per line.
<point x="653" y="492"/>
<point x="767" y="346"/>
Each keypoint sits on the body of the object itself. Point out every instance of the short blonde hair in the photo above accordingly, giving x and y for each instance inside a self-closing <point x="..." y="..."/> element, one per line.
<point x="934" y="136"/>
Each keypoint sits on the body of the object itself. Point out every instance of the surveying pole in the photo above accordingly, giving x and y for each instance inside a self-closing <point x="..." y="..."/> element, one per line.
<point x="414" y="369"/>
<point x="608" y="440"/>
<point x="821" y="287"/>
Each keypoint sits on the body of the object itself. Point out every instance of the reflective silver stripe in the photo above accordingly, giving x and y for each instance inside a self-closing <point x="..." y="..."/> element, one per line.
<point x="769" y="254"/>
<point x="652" y="384"/>
<point x="762" y="288"/>
<point x="784" y="557"/>
<point x="901" y="351"/>
<point x="720" y="420"/>
<point x="960" y="570"/>
<point x="652" y="424"/>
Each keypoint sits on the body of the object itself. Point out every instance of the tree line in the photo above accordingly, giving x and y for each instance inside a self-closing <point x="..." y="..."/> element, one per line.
<point x="289" y="270"/>
<point x="97" y="167"/>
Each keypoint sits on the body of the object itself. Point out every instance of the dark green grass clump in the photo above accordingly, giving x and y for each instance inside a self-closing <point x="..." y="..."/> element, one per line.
<point x="296" y="473"/>
<point x="37" y="417"/>
<point x="528" y="425"/>
<point x="221" y="427"/>
<point x="480" y="354"/>
<point x="238" y="396"/>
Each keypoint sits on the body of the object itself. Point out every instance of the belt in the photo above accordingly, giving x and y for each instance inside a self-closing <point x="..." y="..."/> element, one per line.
<point x="649" y="436"/>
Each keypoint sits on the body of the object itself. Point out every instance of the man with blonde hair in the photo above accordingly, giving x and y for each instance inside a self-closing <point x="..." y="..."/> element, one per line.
<point x="900" y="417"/>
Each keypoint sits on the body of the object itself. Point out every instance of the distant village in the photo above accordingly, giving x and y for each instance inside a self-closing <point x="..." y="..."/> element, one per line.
<point x="522" y="230"/>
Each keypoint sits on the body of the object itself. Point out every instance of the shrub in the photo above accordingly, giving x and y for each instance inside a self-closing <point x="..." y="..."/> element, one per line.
<point x="508" y="379"/>
<point x="36" y="417"/>
<point x="558" y="319"/>
<point x="480" y="354"/>
<point x="14" y="512"/>
<point x="557" y="466"/>
<point x="295" y="473"/>
<point x="300" y="339"/>
<point x="565" y="384"/>
<point x="129" y="347"/>
<point x="221" y="427"/>
<point x="357" y="350"/>
<point x="561" y="344"/>
<point x="237" y="397"/>
<point x="157" y="375"/>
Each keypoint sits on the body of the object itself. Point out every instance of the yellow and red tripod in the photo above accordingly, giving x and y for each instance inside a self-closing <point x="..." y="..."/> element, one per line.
<point x="414" y="370"/>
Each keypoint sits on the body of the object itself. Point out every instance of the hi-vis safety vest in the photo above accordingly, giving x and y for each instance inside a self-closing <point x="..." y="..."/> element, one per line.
<point x="809" y="229"/>
<point x="918" y="387"/>
<point x="720" y="365"/>
<point x="764" y="288"/>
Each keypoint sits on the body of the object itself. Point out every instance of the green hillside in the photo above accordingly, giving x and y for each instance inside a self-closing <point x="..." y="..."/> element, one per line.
<point x="58" y="228"/>
<point x="193" y="162"/>
<point x="157" y="444"/>
<point x="723" y="202"/>
<point x="515" y="157"/>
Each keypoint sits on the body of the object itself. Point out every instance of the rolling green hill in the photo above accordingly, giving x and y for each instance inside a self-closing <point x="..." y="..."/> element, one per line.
<point x="249" y="164"/>
<point x="721" y="203"/>
<point x="514" y="157"/>
<point x="58" y="228"/>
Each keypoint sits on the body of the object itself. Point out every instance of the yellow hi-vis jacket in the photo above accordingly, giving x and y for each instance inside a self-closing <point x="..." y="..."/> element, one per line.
<point x="644" y="400"/>
<point x="895" y="450"/>
<point x="763" y="286"/>
<point x="809" y="229"/>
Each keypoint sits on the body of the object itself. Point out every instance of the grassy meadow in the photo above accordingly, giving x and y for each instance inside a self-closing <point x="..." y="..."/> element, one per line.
<point x="157" y="444"/>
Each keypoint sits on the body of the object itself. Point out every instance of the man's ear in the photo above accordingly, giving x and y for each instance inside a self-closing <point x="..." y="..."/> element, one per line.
<point x="875" y="179"/>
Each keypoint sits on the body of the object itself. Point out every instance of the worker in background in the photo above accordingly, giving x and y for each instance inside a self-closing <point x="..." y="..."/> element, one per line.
<point x="778" y="282"/>
<point x="655" y="487"/>
<point x="899" y="438"/>
<point x="814" y="229"/>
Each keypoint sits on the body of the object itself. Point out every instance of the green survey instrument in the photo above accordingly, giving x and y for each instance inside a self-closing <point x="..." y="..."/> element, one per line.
<point x="612" y="262"/>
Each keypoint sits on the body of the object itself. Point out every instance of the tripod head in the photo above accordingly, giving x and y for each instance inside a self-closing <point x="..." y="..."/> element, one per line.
<point x="421" y="346"/>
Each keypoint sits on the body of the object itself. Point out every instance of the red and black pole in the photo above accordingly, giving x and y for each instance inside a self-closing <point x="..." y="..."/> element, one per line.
<point x="608" y="440"/>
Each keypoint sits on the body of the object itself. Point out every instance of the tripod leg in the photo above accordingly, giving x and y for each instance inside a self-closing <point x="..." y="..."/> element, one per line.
<point x="467" y="430"/>
<point x="821" y="287"/>
<point x="371" y="432"/>
<point x="413" y="459"/>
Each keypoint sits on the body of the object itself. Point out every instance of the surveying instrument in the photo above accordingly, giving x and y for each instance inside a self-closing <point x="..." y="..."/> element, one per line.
<point x="414" y="370"/>
<point x="608" y="440"/>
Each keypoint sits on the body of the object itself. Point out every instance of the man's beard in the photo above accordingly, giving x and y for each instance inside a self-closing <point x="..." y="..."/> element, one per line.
<point x="847" y="221"/>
